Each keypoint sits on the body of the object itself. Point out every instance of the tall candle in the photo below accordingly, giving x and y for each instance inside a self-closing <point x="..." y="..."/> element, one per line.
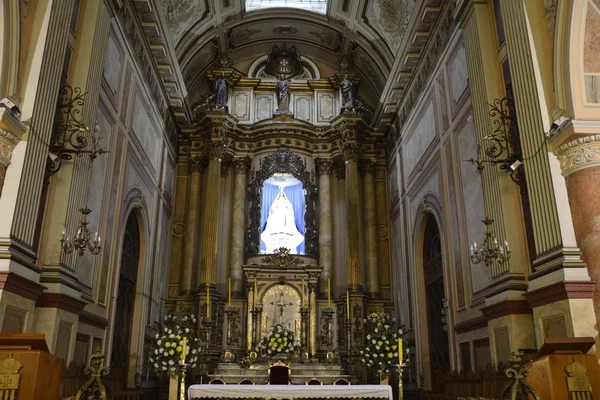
<point x="329" y="292"/>
<point x="347" y="304"/>
<point x="229" y="284"/>
<point x="303" y="292"/>
<point x="400" y="351"/>
<point x="184" y="350"/>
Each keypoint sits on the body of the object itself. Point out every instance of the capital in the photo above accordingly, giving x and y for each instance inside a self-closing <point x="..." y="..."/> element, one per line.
<point x="225" y="167"/>
<point x="216" y="149"/>
<point x="579" y="154"/>
<point x="351" y="152"/>
<point x="11" y="131"/>
<point x="197" y="164"/>
<point x="367" y="167"/>
<point x="241" y="165"/>
<point x="324" y="167"/>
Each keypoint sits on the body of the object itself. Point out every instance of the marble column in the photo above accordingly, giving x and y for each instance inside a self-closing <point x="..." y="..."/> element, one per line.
<point x="192" y="224"/>
<point x="351" y="152"/>
<point x="210" y="229"/>
<point x="11" y="131"/>
<point x="580" y="165"/>
<point x="238" y="225"/>
<point x="370" y="226"/>
<point x="324" y="168"/>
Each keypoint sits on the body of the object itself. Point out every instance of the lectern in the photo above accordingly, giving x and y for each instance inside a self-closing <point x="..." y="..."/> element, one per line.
<point x="562" y="370"/>
<point x="35" y="373"/>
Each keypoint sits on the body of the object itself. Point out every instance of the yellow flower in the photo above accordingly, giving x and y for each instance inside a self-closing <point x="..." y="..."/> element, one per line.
<point x="179" y="349"/>
<point x="390" y="355"/>
<point x="279" y="340"/>
<point x="394" y="347"/>
<point x="171" y="352"/>
<point x="380" y="343"/>
<point x="167" y="345"/>
<point x="173" y="344"/>
<point x="177" y="337"/>
<point x="277" y="335"/>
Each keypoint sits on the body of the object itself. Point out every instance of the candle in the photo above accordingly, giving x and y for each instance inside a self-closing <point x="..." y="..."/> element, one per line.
<point x="229" y="284"/>
<point x="184" y="350"/>
<point x="400" y="351"/>
<point x="207" y="302"/>
<point x="347" y="304"/>
<point x="302" y="292"/>
<point x="329" y="292"/>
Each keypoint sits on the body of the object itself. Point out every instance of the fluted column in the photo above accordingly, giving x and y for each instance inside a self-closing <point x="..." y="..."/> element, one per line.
<point x="192" y="224"/>
<point x="238" y="225"/>
<point x="351" y="153"/>
<point x="324" y="168"/>
<point x="580" y="165"/>
<point x="370" y="226"/>
<point x="11" y="131"/>
<point x="210" y="229"/>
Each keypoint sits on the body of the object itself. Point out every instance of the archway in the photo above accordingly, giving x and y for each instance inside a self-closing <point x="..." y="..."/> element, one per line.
<point x="439" y="353"/>
<point x="124" y="314"/>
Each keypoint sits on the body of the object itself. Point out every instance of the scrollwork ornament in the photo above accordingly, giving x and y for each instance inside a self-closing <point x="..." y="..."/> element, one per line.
<point x="241" y="165"/>
<point x="324" y="167"/>
<point x="351" y="152"/>
<point x="579" y="154"/>
<point x="367" y="167"/>
<point x="216" y="149"/>
<point x="197" y="164"/>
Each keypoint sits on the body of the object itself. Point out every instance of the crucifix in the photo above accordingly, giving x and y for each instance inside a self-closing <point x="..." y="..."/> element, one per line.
<point x="281" y="304"/>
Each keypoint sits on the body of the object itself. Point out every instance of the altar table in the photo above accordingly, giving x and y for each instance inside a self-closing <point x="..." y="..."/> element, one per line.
<point x="290" y="391"/>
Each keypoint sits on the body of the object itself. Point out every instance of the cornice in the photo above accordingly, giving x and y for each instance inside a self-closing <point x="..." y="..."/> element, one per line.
<point x="579" y="154"/>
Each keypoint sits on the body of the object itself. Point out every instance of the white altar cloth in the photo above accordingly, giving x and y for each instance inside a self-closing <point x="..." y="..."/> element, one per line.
<point x="290" y="391"/>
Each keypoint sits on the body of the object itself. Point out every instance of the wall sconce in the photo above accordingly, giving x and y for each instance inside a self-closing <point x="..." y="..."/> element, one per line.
<point x="502" y="145"/>
<point x="83" y="238"/>
<point x="70" y="136"/>
<point x="490" y="250"/>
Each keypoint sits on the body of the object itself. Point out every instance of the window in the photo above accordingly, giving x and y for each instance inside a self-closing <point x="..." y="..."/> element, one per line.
<point x="318" y="6"/>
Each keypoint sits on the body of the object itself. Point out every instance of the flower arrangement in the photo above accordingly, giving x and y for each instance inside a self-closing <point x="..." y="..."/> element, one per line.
<point x="278" y="340"/>
<point x="166" y="347"/>
<point x="381" y="344"/>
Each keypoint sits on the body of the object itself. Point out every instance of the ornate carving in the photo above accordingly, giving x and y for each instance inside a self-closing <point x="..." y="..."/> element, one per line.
<point x="367" y="167"/>
<point x="326" y="338"/>
<point x="285" y="30"/>
<point x="7" y="144"/>
<point x="282" y="161"/>
<point x="577" y="378"/>
<point x="95" y="386"/>
<point x="234" y="326"/>
<point x="10" y="366"/>
<point x="216" y="149"/>
<point x="197" y="164"/>
<point x="351" y="152"/>
<point x="282" y="259"/>
<point x="324" y="167"/>
<point x="241" y="165"/>
<point x="579" y="154"/>
<point x="517" y="388"/>
<point x="225" y="167"/>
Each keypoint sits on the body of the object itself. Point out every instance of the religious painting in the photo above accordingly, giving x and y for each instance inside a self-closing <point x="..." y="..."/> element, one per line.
<point x="282" y="214"/>
<point x="281" y="305"/>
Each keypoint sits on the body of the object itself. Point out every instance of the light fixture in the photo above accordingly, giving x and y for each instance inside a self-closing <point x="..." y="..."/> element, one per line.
<point x="82" y="239"/>
<point x="490" y="250"/>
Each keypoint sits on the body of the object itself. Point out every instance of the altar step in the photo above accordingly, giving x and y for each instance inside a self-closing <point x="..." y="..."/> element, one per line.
<point x="300" y="373"/>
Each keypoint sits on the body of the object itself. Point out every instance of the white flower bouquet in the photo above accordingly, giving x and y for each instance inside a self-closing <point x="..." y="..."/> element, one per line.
<point x="381" y="344"/>
<point x="167" y="346"/>
<point x="278" y="340"/>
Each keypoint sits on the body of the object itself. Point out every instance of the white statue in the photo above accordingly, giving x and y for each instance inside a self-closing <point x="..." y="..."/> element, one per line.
<point x="281" y="226"/>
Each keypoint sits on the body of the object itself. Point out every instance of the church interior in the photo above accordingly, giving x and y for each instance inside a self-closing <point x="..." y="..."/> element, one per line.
<point x="299" y="192"/>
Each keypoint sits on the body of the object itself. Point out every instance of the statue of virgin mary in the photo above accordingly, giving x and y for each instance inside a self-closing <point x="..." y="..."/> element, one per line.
<point x="281" y="230"/>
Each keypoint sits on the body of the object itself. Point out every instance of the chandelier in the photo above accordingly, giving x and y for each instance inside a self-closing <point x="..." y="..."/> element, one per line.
<point x="83" y="238"/>
<point x="490" y="250"/>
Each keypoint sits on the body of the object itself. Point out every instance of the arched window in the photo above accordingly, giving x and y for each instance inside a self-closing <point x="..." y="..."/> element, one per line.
<point x="318" y="6"/>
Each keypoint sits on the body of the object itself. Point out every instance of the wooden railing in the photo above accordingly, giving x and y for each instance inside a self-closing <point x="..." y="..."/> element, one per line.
<point x="485" y="384"/>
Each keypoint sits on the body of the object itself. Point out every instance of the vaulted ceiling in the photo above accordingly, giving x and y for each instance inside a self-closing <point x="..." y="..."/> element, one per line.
<point x="382" y="40"/>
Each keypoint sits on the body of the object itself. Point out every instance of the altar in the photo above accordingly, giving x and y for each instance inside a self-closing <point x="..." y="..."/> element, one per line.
<point x="291" y="392"/>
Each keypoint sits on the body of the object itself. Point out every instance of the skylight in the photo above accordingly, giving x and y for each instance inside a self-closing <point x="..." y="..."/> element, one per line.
<point x="318" y="6"/>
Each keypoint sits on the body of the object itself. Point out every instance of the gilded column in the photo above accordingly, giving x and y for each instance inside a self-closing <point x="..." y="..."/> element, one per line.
<point x="351" y="152"/>
<point x="192" y="224"/>
<point x="238" y="226"/>
<point x="370" y="226"/>
<point x="324" y="168"/>
<point x="580" y="165"/>
<point x="312" y="319"/>
<point x="208" y="265"/>
<point x="11" y="131"/>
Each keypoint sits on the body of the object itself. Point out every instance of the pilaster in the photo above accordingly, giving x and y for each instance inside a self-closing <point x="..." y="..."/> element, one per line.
<point x="370" y="226"/>
<point x="11" y="132"/>
<point x="238" y="227"/>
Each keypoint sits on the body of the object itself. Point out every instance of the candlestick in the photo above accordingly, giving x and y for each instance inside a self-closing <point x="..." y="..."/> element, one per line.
<point x="229" y="285"/>
<point x="329" y="292"/>
<point x="400" y="351"/>
<point x="207" y="302"/>
<point x="347" y="304"/>
<point x="184" y="350"/>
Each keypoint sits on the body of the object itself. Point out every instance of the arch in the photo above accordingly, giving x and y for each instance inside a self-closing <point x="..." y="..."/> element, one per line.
<point x="428" y="212"/>
<point x="9" y="46"/>
<point x="282" y="161"/>
<point x="256" y="67"/>
<point x="134" y="204"/>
